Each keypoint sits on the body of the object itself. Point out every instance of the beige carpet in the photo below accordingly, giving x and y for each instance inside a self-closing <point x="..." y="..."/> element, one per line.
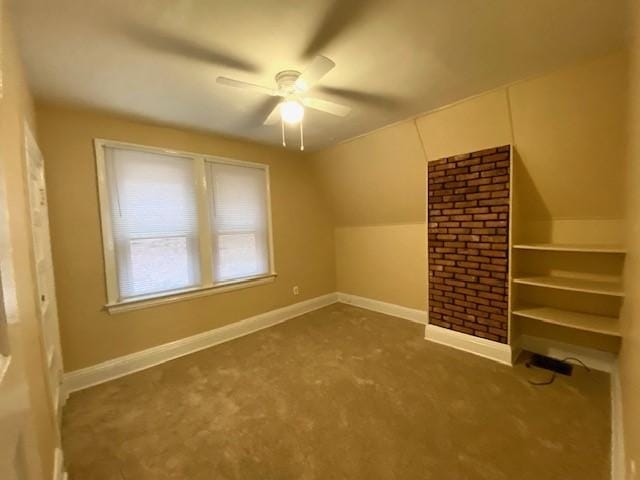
<point x="339" y="393"/>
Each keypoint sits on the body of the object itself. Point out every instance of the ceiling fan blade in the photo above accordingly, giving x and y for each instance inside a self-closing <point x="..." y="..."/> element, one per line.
<point x="326" y="106"/>
<point x="338" y="18"/>
<point x="274" y="116"/>
<point x="373" y="99"/>
<point x="230" y="82"/>
<point x="319" y="67"/>
<point x="166" y="42"/>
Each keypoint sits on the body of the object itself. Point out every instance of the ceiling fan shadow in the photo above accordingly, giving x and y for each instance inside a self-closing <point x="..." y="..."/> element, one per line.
<point x="162" y="41"/>
<point x="373" y="99"/>
<point x="339" y="17"/>
<point x="255" y="119"/>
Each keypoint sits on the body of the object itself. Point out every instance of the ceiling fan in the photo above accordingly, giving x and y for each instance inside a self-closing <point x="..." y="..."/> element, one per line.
<point x="292" y="86"/>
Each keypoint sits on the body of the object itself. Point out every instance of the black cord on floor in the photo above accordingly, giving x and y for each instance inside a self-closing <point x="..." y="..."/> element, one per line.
<point x="553" y="374"/>
<point x="546" y="382"/>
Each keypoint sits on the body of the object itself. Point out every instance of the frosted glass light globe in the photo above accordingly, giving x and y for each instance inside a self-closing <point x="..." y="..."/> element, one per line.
<point x="292" y="112"/>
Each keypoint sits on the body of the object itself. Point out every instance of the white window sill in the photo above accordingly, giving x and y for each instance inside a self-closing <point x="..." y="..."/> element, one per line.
<point x="171" y="297"/>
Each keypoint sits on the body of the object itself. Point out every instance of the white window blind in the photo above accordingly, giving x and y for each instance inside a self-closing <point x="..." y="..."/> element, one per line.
<point x="239" y="220"/>
<point x="176" y="224"/>
<point x="154" y="220"/>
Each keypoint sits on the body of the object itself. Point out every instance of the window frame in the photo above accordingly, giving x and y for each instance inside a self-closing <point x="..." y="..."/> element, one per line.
<point x="207" y="286"/>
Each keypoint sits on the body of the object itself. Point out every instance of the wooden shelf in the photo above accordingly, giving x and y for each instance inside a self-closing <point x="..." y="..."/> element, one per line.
<point x="558" y="247"/>
<point x="574" y="284"/>
<point x="565" y="318"/>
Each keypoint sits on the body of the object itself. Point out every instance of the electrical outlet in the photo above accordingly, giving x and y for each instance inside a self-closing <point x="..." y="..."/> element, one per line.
<point x="296" y="290"/>
<point x="632" y="468"/>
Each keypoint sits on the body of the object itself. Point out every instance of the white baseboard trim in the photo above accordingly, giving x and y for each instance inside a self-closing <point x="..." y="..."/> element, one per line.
<point x="596" y="359"/>
<point x="125" y="365"/>
<point x="618" y="466"/>
<point x="479" y="346"/>
<point x="58" y="465"/>
<point x="499" y="352"/>
<point x="412" y="314"/>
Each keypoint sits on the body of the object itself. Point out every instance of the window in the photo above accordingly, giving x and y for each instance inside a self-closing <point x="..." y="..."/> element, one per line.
<point x="175" y="223"/>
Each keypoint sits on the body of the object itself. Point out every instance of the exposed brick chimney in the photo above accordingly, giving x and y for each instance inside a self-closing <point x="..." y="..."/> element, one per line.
<point x="468" y="229"/>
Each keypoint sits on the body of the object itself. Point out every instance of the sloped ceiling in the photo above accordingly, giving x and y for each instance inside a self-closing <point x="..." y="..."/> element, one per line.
<point x="158" y="59"/>
<point x="568" y="129"/>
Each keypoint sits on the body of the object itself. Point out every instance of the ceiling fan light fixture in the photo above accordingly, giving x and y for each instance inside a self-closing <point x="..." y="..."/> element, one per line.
<point x="292" y="112"/>
<point x="291" y="86"/>
<point x="301" y="85"/>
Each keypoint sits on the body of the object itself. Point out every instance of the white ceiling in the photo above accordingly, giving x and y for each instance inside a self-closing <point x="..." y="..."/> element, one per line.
<point x="158" y="59"/>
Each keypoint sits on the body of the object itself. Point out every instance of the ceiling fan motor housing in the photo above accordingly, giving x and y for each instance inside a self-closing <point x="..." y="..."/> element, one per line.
<point x="292" y="88"/>
<point x="286" y="81"/>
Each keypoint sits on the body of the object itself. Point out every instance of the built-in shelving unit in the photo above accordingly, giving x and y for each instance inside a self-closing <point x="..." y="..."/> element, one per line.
<point x="574" y="285"/>
<point x="571" y="248"/>
<point x="577" y="320"/>
<point x="585" y="296"/>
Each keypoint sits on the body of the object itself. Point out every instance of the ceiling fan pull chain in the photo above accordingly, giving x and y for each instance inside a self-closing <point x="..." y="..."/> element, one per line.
<point x="301" y="137"/>
<point x="284" y="143"/>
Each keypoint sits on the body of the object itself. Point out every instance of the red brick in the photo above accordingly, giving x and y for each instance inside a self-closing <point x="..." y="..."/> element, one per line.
<point x="494" y="253"/>
<point x="496" y="223"/>
<point x="477" y="210"/>
<point x="493" y="173"/>
<point x="494" y="201"/>
<point x="478" y="273"/>
<point x="491" y="188"/>
<point x="500" y="209"/>
<point x="485" y="216"/>
<point x="457" y="270"/>
<point x="466" y="190"/>
<point x="478" y="313"/>
<point x="496" y="158"/>
<point x="468" y="264"/>
<point x="479" y="181"/>
<point x="482" y="153"/>
<point x="494" y="238"/>
<point x="468" y="203"/>
<point x="468" y="211"/>
<point x="483" y="167"/>
<point x="468" y="176"/>
<point x="481" y="195"/>
<point x="452" y="198"/>
<point x="458" y="328"/>
<point x="466" y="163"/>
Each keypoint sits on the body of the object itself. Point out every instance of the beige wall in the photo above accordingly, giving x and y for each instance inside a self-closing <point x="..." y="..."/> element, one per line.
<point x="302" y="232"/>
<point x="393" y="255"/>
<point x="630" y="353"/>
<point x="569" y="130"/>
<point x="19" y="293"/>
<point x="375" y="187"/>
<point x="474" y="124"/>
<point x="563" y="125"/>
<point x="376" y="179"/>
